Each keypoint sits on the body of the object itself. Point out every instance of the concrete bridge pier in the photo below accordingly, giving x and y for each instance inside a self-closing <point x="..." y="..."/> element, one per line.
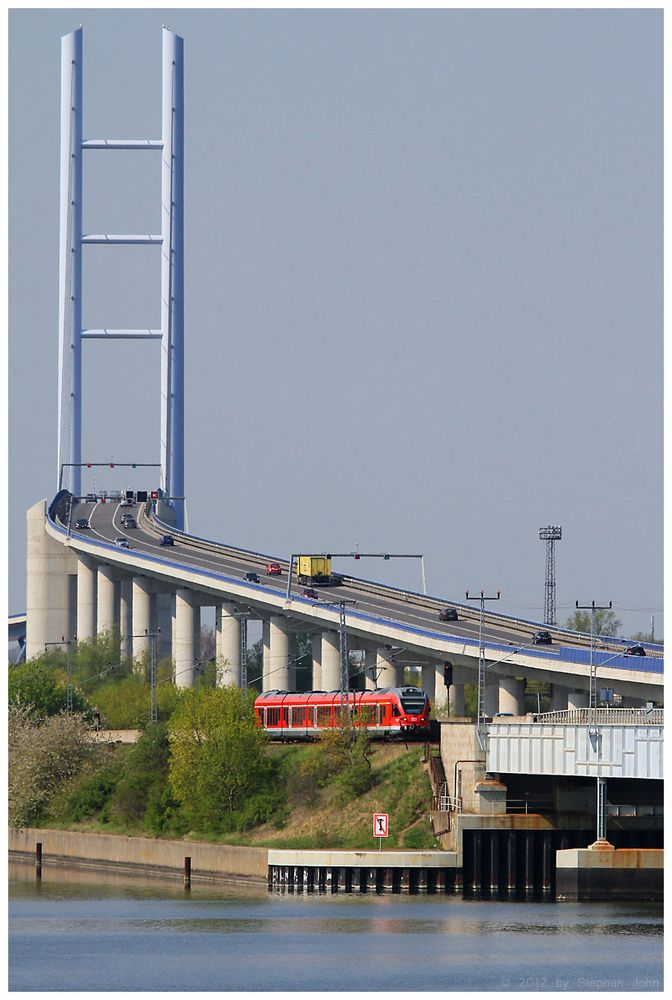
<point x="164" y="623"/>
<point x="577" y="699"/>
<point x="331" y="661"/>
<point x="427" y="679"/>
<point x="267" y="683"/>
<point x="386" y="668"/>
<point x="227" y="644"/>
<point x="370" y="666"/>
<point x="141" y="615"/>
<point x="87" y="599"/>
<point x="512" y="695"/>
<point x="126" y="617"/>
<point x="559" y="695"/>
<point x="183" y="638"/>
<point x="49" y="593"/>
<point x="491" y="695"/>
<point x="107" y="611"/>
<point x="279" y="653"/>
<point x="455" y="693"/>
<point x="316" y="647"/>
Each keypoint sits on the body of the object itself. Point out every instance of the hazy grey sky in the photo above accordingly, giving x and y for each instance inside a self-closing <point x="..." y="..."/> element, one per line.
<point x="423" y="286"/>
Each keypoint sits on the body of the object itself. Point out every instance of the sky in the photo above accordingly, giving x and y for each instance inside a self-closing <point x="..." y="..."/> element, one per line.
<point x="423" y="287"/>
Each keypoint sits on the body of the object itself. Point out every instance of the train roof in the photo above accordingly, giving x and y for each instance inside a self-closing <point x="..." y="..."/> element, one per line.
<point x="330" y="696"/>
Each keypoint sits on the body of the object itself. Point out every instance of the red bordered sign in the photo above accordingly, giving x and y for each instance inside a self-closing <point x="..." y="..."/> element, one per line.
<point x="381" y="825"/>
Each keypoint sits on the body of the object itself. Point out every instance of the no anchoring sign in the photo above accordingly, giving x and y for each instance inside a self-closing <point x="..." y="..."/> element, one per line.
<point x="381" y="825"/>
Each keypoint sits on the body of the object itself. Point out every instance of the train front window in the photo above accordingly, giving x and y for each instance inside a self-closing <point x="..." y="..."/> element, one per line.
<point x="413" y="704"/>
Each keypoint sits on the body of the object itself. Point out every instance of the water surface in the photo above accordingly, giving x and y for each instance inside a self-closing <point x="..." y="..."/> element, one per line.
<point x="80" y="931"/>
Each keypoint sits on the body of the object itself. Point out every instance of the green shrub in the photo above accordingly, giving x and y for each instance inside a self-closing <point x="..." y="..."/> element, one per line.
<point x="87" y="796"/>
<point x="420" y="837"/>
<point x="39" y="688"/>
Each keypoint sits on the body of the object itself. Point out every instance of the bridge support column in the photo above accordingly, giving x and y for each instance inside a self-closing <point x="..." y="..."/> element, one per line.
<point x="512" y="695"/>
<point x="491" y="696"/>
<point x="279" y="653"/>
<point x="198" y="666"/>
<point x="558" y="698"/>
<point x="386" y="667"/>
<point x="183" y="639"/>
<point x="164" y="622"/>
<point x="142" y="620"/>
<point x="427" y="677"/>
<point x="86" y="599"/>
<point x="126" y="617"/>
<point x="370" y="667"/>
<point x="316" y="647"/>
<point x="48" y="592"/>
<point x="331" y="661"/>
<point x="106" y="602"/>
<point x="455" y="700"/>
<point x="577" y="699"/>
<point x="268" y="684"/>
<point x="227" y="645"/>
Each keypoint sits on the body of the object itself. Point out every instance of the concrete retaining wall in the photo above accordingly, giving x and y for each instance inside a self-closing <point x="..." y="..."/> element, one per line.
<point x="211" y="861"/>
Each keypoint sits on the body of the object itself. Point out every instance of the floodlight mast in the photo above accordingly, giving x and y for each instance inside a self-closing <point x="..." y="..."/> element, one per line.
<point x="550" y="535"/>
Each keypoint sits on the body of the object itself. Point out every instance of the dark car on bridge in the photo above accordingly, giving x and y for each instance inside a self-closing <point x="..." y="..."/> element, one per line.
<point x="310" y="592"/>
<point x="636" y="650"/>
<point x="81" y="522"/>
<point x="448" y="615"/>
<point x="542" y="638"/>
<point x="166" y="540"/>
<point x="252" y="577"/>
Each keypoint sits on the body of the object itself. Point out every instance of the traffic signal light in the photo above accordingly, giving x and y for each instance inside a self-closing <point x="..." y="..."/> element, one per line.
<point x="357" y="556"/>
<point x="447" y="674"/>
<point x="386" y="556"/>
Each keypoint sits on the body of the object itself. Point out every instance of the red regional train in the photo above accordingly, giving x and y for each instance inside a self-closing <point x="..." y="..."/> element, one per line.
<point x="386" y="712"/>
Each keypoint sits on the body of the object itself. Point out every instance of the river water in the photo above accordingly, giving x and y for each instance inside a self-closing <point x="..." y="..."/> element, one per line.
<point x="78" y="931"/>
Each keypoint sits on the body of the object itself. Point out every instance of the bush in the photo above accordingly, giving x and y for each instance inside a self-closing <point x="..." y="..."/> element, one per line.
<point x="39" y="688"/>
<point x="216" y="755"/>
<point x="144" y="778"/>
<point x="43" y="757"/>
<point x="343" y="757"/>
<point x="87" y="796"/>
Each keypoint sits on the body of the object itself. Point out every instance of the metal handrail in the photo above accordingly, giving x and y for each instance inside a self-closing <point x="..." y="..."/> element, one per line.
<point x="603" y="716"/>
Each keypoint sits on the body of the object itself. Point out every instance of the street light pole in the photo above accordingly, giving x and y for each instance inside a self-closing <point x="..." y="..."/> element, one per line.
<point x="480" y="711"/>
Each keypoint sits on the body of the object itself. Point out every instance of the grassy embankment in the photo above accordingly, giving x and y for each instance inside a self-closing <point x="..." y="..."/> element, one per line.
<point x="309" y="815"/>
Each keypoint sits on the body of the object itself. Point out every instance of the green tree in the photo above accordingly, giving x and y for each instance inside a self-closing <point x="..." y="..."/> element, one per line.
<point x="606" y="622"/>
<point x="644" y="637"/>
<point x="43" y="757"/>
<point x="216" y="753"/>
<point x="38" y="687"/>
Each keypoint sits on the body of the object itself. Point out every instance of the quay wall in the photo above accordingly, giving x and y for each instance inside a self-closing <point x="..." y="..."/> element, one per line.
<point x="140" y="854"/>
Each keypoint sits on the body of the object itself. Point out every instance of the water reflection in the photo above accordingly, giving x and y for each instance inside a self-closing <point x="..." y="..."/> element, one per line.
<point x="150" y="934"/>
